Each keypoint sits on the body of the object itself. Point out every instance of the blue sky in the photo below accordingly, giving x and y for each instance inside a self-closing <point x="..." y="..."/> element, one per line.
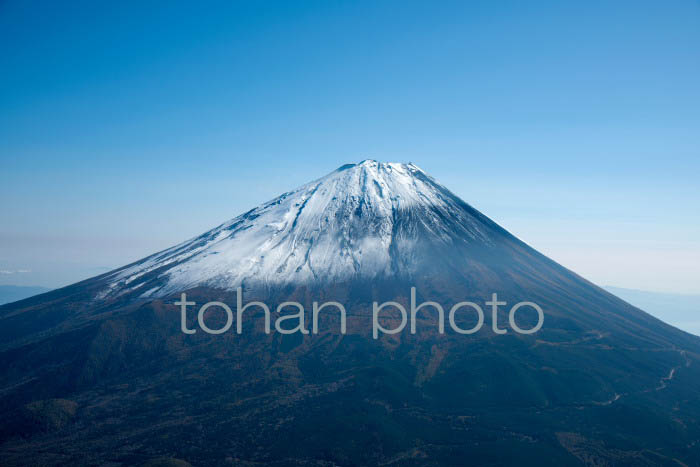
<point x="126" y="127"/>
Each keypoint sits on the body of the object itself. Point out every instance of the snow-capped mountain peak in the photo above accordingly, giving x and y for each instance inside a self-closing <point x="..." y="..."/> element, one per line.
<point x="361" y="220"/>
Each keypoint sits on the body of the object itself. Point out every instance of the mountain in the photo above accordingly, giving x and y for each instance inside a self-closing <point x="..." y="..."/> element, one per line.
<point x="100" y="372"/>
<point x="12" y="293"/>
<point x="364" y="221"/>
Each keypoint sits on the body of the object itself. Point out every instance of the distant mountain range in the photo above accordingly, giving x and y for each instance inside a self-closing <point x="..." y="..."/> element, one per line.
<point x="100" y="373"/>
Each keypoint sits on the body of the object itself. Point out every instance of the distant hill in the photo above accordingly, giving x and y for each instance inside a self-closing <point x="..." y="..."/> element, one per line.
<point x="680" y="310"/>
<point x="12" y="293"/>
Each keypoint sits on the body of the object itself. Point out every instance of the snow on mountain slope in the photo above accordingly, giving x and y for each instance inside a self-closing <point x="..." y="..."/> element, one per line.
<point x="354" y="222"/>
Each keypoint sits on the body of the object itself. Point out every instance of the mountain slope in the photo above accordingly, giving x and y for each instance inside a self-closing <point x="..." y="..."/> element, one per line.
<point x="602" y="383"/>
<point x="680" y="310"/>
<point x="12" y="293"/>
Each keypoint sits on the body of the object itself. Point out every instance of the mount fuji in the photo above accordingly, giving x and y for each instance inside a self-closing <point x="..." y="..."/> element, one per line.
<point x="99" y="373"/>
<point x="368" y="220"/>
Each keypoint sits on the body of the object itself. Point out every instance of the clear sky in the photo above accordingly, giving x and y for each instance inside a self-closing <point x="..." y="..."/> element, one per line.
<point x="126" y="127"/>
